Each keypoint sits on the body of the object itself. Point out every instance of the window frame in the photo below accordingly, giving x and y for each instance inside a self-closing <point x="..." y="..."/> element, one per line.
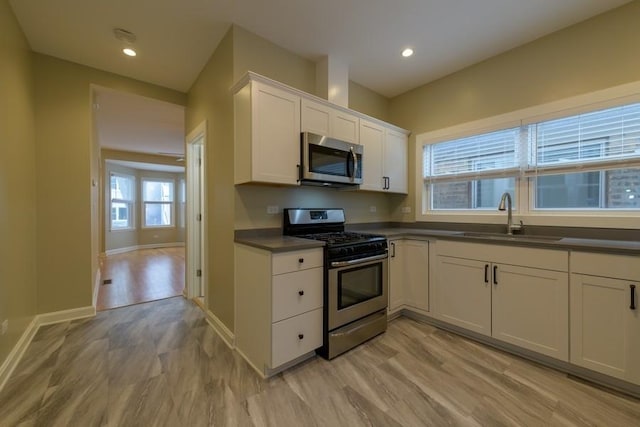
<point x="130" y="203"/>
<point x="525" y="187"/>
<point x="144" y="203"/>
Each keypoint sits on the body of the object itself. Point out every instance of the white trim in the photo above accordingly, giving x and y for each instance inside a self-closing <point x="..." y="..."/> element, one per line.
<point x="138" y="247"/>
<point x="17" y="352"/>
<point x="65" y="315"/>
<point x="225" y="333"/>
<point x="96" y="286"/>
<point x="25" y="339"/>
<point x="196" y="172"/>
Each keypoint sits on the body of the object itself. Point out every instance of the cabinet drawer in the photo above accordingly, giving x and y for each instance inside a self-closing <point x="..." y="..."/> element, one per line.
<point x="296" y="293"/>
<point x="295" y="261"/>
<point x="606" y="265"/>
<point x="286" y="343"/>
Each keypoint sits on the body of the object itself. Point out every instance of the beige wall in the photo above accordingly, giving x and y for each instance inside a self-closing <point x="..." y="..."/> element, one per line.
<point x="66" y="165"/>
<point x="594" y="54"/>
<point x="17" y="183"/>
<point x="366" y="101"/>
<point x="253" y="53"/>
<point x="211" y="100"/>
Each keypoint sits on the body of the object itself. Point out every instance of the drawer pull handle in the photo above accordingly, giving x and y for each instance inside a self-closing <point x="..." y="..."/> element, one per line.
<point x="300" y="336"/>
<point x="300" y="293"/>
<point x="300" y="260"/>
<point x="633" y="297"/>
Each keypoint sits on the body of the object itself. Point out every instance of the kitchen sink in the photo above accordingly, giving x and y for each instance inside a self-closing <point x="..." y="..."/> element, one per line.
<point x="511" y="237"/>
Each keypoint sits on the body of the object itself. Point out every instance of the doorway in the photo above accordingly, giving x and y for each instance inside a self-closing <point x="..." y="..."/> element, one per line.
<point x="142" y="198"/>
<point x="196" y="220"/>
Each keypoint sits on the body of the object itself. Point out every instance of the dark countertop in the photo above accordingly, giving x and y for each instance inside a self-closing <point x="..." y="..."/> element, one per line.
<point x="279" y="243"/>
<point x="274" y="242"/>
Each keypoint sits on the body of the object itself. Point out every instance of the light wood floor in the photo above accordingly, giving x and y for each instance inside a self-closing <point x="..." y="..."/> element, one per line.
<point x="141" y="276"/>
<point x="161" y="364"/>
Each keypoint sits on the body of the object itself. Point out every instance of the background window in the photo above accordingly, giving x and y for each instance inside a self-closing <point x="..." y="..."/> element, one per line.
<point x="157" y="201"/>
<point x="472" y="173"/>
<point x="122" y="198"/>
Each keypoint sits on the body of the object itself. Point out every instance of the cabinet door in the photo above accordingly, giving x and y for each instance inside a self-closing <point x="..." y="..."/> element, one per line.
<point x="316" y="118"/>
<point x="275" y="135"/>
<point x="396" y="161"/>
<point x="531" y="309"/>
<point x="372" y="138"/>
<point x="345" y="126"/>
<point x="605" y="331"/>
<point x="396" y="275"/>
<point x="416" y="280"/>
<point x="462" y="296"/>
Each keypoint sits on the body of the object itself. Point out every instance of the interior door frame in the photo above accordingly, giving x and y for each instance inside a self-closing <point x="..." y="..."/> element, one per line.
<point x="196" y="164"/>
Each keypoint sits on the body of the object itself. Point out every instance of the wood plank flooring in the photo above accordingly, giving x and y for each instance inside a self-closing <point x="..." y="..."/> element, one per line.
<point x="160" y="364"/>
<point x="141" y="276"/>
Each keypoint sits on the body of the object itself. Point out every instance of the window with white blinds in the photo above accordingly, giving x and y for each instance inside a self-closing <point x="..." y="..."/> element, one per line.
<point x="589" y="161"/>
<point x="590" y="140"/>
<point x="494" y="154"/>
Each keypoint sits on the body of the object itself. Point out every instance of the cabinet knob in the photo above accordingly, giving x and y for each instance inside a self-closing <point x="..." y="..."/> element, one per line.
<point x="300" y="293"/>
<point x="300" y="336"/>
<point x="300" y="260"/>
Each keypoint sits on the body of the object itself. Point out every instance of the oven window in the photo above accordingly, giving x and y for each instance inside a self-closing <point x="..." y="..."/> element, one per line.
<point x="330" y="161"/>
<point x="360" y="284"/>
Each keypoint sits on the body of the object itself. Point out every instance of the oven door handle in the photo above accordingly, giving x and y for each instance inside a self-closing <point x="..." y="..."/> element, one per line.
<point x="358" y="261"/>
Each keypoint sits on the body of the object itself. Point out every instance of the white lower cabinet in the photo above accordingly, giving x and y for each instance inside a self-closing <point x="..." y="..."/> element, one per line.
<point x="605" y="317"/>
<point x="516" y="295"/>
<point x="408" y="275"/>
<point x="279" y="301"/>
<point x="462" y="296"/>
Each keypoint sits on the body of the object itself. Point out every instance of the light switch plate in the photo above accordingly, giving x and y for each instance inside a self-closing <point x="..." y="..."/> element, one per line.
<point x="406" y="209"/>
<point x="272" y="210"/>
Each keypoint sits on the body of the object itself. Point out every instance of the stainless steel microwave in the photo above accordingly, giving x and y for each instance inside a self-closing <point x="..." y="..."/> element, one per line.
<point x="329" y="162"/>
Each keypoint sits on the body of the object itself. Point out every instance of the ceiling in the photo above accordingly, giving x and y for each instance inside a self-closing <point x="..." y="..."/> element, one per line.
<point x="129" y="122"/>
<point x="175" y="38"/>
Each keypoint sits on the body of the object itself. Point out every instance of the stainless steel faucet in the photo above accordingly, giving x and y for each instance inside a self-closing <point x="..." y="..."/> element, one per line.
<point x="505" y="204"/>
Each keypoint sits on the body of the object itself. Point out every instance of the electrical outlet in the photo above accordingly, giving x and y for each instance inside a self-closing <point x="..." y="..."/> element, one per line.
<point x="5" y="326"/>
<point x="406" y="209"/>
<point x="373" y="209"/>
<point x="272" y="210"/>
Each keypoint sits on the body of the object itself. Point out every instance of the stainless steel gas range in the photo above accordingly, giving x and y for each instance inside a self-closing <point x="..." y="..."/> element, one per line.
<point x="355" y="277"/>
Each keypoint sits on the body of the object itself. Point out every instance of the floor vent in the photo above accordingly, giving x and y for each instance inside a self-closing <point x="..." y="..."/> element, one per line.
<point x="106" y="282"/>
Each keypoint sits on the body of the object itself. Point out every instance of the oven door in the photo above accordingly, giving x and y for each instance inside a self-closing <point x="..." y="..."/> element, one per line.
<point x="356" y="289"/>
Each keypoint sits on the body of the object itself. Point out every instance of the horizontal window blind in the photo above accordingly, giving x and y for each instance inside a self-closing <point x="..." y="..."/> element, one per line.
<point x="608" y="137"/>
<point x="491" y="154"/>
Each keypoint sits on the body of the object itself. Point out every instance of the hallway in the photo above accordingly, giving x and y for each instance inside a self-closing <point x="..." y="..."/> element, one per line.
<point x="141" y="276"/>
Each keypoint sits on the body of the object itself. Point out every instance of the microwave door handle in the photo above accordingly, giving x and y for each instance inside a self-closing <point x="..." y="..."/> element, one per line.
<point x="355" y="163"/>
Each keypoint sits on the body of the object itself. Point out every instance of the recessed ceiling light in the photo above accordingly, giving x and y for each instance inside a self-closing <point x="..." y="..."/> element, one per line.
<point x="129" y="52"/>
<point x="407" y="52"/>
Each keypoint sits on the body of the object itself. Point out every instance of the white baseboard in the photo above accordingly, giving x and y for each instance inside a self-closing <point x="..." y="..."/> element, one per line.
<point x="138" y="247"/>
<point x="65" y="315"/>
<point x="227" y="336"/>
<point x="18" y="350"/>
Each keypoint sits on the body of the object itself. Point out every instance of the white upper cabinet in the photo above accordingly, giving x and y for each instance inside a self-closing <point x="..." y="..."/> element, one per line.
<point x="385" y="159"/>
<point x="328" y="121"/>
<point x="372" y="138"/>
<point x="267" y="140"/>
<point x="269" y="117"/>
<point x="396" y="161"/>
